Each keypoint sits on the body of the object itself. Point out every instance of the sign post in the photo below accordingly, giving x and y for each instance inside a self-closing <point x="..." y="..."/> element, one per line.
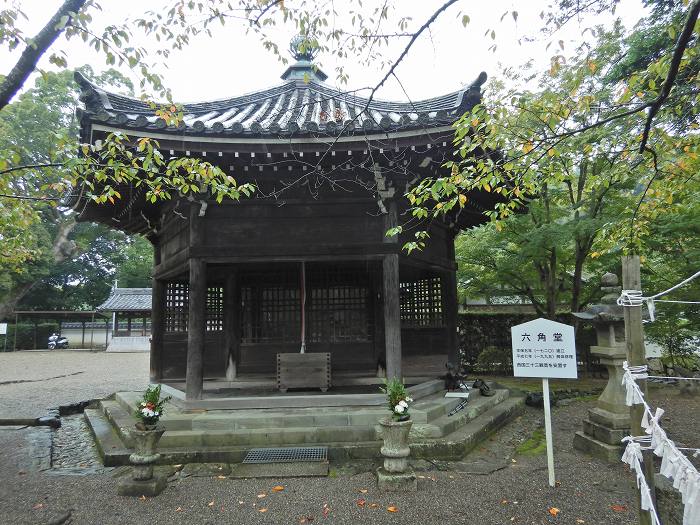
<point x="3" y="331"/>
<point x="544" y="349"/>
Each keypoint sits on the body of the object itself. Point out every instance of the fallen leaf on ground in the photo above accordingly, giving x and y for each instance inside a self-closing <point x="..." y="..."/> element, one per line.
<point x="618" y="508"/>
<point x="514" y="461"/>
<point x="262" y="495"/>
<point x="326" y="509"/>
<point x="241" y="502"/>
<point x="392" y="509"/>
<point x="373" y="505"/>
<point x="420" y="477"/>
<point x="220" y="477"/>
<point x="278" y="488"/>
<point x="179" y="509"/>
<point x="554" y="511"/>
<point x="38" y="506"/>
<point x="211" y="503"/>
<point x="504" y="501"/>
<point x="363" y="491"/>
<point x="451" y="477"/>
<point x="143" y="498"/>
<point x="263" y="509"/>
<point x="361" y="502"/>
<point x="580" y="521"/>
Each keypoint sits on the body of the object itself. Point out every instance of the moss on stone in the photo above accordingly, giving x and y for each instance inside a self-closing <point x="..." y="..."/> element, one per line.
<point x="534" y="445"/>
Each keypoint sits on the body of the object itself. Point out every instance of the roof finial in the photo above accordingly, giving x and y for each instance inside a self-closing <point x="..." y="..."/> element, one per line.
<point x="304" y="51"/>
<point x="301" y="48"/>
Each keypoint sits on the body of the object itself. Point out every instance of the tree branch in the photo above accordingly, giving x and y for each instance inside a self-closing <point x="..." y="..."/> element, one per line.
<point x="678" y="52"/>
<point x="35" y="49"/>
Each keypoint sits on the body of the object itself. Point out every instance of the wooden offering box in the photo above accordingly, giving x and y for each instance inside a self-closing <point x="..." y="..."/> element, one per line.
<point x="298" y="370"/>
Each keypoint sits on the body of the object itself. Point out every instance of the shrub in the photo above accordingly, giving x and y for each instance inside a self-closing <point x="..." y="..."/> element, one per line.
<point x="494" y="359"/>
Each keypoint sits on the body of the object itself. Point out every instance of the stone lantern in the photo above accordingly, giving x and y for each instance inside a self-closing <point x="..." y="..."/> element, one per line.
<point x="609" y="421"/>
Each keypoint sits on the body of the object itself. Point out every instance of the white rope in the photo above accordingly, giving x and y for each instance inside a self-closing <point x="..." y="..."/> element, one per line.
<point x="679" y="302"/>
<point x="676" y="378"/>
<point x="630" y="298"/>
<point x="635" y="298"/>
<point x="674" y="464"/>
<point x="695" y="275"/>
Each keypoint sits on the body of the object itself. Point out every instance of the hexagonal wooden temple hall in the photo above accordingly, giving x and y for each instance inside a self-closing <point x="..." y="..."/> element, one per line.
<point x="303" y="267"/>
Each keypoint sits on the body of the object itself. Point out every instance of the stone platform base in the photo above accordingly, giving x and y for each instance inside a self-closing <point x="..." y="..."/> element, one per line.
<point x="596" y="448"/>
<point x="396" y="482"/>
<point x="149" y="488"/>
<point x="349" y="432"/>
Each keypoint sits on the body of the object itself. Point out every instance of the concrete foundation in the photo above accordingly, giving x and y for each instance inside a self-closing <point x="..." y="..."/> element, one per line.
<point x="396" y="481"/>
<point x="149" y="488"/>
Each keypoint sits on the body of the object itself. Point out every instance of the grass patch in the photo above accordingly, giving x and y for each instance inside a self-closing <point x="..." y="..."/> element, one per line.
<point x="534" y="445"/>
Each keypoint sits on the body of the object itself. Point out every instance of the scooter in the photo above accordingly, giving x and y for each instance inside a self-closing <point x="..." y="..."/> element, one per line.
<point x="57" y="341"/>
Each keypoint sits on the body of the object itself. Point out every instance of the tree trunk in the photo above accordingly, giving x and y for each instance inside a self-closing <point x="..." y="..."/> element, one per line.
<point x="62" y="248"/>
<point x="34" y="51"/>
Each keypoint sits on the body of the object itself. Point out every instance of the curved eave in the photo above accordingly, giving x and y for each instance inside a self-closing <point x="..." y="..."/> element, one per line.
<point x="290" y="110"/>
<point x="426" y="133"/>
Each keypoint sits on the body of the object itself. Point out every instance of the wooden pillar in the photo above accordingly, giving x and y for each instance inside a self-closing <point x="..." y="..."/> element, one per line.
<point x="232" y="323"/>
<point x="636" y="356"/>
<point x="157" y="329"/>
<point x="128" y="324"/>
<point x="450" y="312"/>
<point x="196" y="327"/>
<point x="82" y="344"/>
<point x="392" y="315"/>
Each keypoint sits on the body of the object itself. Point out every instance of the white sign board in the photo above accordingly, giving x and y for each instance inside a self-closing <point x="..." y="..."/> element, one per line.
<point x="3" y="328"/>
<point x="544" y="348"/>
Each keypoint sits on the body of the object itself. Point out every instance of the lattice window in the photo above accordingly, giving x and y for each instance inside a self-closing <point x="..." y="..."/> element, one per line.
<point x="215" y="309"/>
<point x="270" y="308"/>
<point x="176" y="307"/>
<point x="421" y="304"/>
<point x="338" y="306"/>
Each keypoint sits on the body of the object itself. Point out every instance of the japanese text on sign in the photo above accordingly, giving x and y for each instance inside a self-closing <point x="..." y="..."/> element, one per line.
<point x="544" y="348"/>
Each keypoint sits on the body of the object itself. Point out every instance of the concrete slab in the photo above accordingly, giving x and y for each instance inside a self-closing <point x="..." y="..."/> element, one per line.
<point x="300" y="469"/>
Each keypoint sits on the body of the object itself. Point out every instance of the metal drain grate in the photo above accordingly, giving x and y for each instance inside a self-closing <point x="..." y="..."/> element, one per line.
<point x="286" y="455"/>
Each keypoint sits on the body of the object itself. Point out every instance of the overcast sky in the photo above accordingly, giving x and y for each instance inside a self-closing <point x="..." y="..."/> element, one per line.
<point x="450" y="55"/>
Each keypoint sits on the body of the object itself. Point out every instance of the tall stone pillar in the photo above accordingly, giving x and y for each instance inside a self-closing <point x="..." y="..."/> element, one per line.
<point x="609" y="421"/>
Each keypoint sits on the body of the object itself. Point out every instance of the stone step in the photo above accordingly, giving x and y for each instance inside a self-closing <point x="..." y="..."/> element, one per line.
<point x="445" y="424"/>
<point x="427" y="409"/>
<point x="267" y="437"/>
<point x="110" y="447"/>
<point x="455" y="445"/>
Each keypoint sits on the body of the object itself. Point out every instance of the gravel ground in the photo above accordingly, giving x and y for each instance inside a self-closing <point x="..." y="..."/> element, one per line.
<point x="32" y="382"/>
<point x="511" y="489"/>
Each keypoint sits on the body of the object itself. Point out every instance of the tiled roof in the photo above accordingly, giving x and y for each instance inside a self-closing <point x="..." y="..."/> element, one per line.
<point x="295" y="107"/>
<point x="128" y="300"/>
